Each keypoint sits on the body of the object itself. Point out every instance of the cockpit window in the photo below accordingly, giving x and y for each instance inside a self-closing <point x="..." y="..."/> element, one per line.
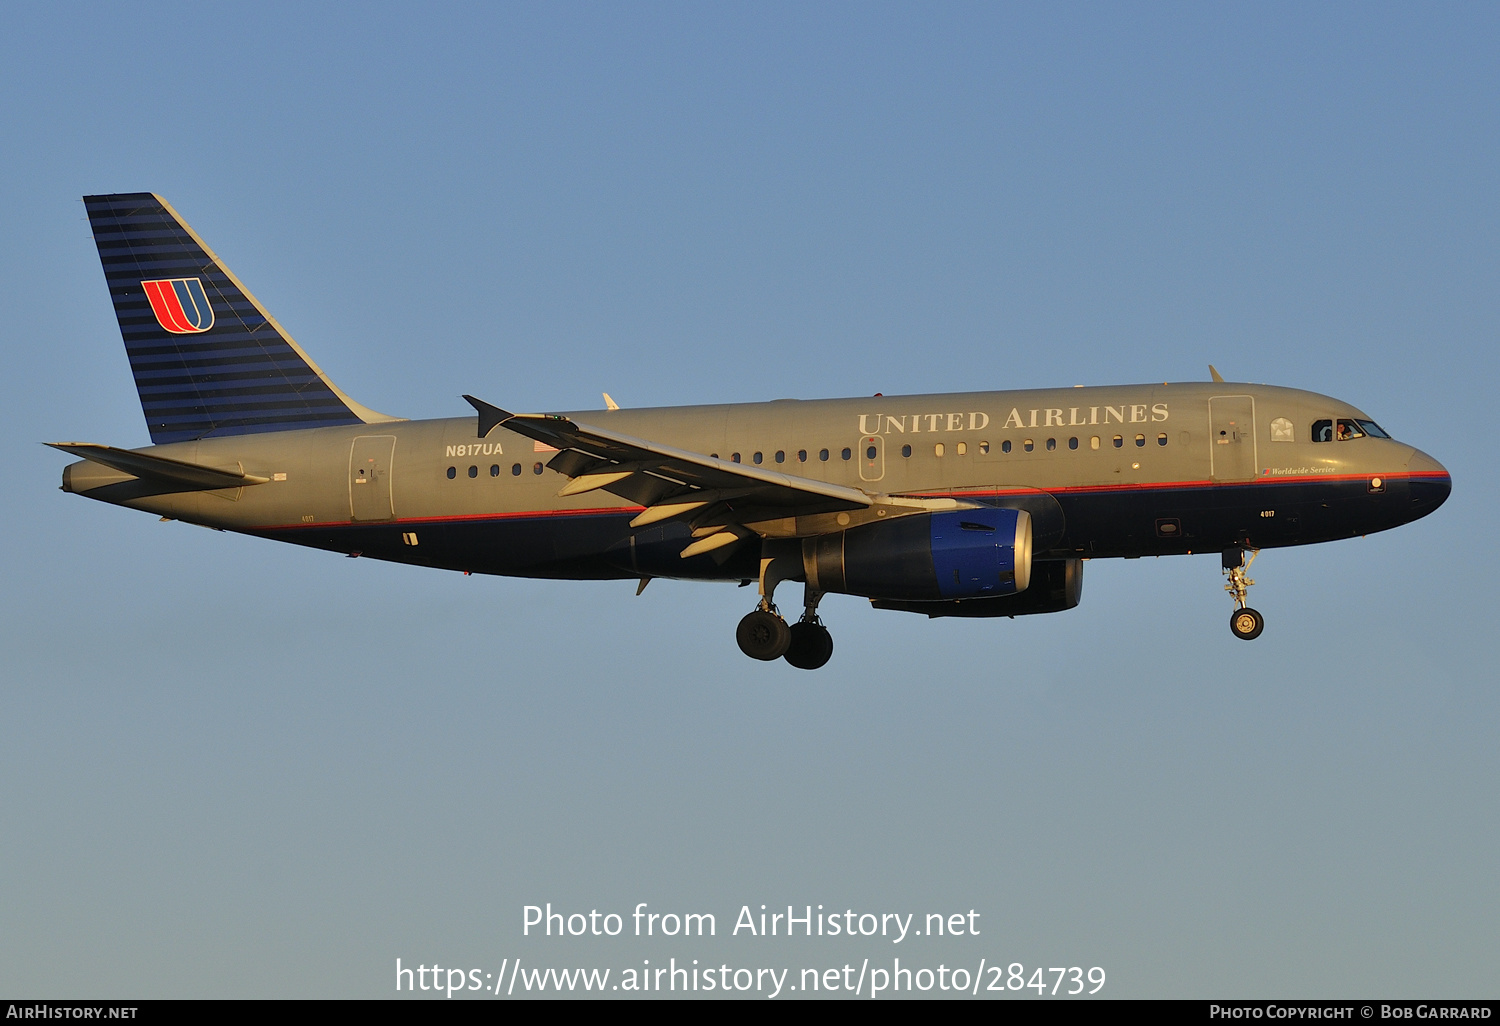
<point x="1345" y="430"/>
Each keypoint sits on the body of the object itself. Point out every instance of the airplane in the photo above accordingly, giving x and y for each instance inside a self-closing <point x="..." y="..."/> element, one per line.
<point x="973" y="504"/>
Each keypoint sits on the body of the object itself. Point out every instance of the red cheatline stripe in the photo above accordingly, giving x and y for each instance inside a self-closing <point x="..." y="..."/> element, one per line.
<point x="534" y="514"/>
<point x="1157" y="485"/>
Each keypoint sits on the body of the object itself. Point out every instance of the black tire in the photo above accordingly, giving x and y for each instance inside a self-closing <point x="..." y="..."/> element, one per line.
<point x="1246" y="624"/>
<point x="811" y="647"/>
<point x="763" y="635"/>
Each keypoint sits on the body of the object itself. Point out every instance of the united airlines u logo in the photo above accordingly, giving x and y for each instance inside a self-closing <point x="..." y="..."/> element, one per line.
<point x="180" y="304"/>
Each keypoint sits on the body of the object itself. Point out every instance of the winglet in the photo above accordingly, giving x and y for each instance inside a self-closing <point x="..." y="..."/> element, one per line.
<point x="489" y="416"/>
<point x="609" y="402"/>
<point x="1216" y="375"/>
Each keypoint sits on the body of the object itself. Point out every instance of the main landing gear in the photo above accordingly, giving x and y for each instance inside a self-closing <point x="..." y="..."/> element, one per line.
<point x="806" y="644"/>
<point x="812" y="645"/>
<point x="1245" y="623"/>
<point x="763" y="634"/>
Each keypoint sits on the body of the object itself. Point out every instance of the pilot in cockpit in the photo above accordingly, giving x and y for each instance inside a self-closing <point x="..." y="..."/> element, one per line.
<point x="1345" y="430"/>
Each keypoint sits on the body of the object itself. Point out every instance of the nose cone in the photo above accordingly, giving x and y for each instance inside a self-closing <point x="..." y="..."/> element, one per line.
<point x="1429" y="483"/>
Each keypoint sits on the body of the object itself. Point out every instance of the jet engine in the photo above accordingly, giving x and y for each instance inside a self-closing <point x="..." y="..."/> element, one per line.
<point x="964" y="554"/>
<point x="1056" y="585"/>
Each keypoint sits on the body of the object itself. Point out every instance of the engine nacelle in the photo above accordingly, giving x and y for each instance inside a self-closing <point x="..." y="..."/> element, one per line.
<point x="963" y="554"/>
<point x="1056" y="585"/>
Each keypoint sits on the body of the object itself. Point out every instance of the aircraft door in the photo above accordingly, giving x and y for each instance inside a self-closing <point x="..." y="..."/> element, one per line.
<point x="871" y="456"/>
<point x="370" y="460"/>
<point x="1231" y="437"/>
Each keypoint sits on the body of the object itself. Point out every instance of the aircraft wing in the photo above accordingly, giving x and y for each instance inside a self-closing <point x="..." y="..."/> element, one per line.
<point x="718" y="495"/>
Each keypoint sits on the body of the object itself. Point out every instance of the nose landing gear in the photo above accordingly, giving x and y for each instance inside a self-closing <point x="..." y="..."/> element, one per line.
<point x="1245" y="623"/>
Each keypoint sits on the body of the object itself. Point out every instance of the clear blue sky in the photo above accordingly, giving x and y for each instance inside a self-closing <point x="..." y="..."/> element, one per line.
<point x="229" y="767"/>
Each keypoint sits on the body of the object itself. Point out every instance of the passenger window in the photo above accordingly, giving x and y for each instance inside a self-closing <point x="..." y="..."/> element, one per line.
<point x="962" y="448"/>
<point x="937" y="450"/>
<point x="1094" y="442"/>
<point x="473" y="471"/>
<point x="1118" y="441"/>
<point x="1005" y="446"/>
<point x="801" y="455"/>
<point x="1161" y="439"/>
<point x="494" y="470"/>
<point x="846" y="453"/>
<point x="1322" y="431"/>
<point x="515" y="470"/>
<point x="1028" y="445"/>
<point x="984" y="448"/>
<point x="735" y="457"/>
<point x="823" y="455"/>
<point x="906" y="451"/>
<point x="452" y="473"/>
<point x="755" y="458"/>
<point x="536" y="468"/>
<point x="870" y="453"/>
<point x="780" y="456"/>
<point x="1140" y="441"/>
<point x="1348" y="430"/>
<point x="1051" y="444"/>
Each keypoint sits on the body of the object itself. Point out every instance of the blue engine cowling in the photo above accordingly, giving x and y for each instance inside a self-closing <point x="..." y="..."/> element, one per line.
<point x="968" y="553"/>
<point x="1056" y="585"/>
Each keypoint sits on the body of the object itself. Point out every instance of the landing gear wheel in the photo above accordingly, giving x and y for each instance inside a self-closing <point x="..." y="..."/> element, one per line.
<point x="763" y="635"/>
<point x="1247" y="624"/>
<point x="811" y="647"/>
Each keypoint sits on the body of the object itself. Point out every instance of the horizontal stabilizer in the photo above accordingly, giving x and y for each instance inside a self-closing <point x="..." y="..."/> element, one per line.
<point x="190" y="477"/>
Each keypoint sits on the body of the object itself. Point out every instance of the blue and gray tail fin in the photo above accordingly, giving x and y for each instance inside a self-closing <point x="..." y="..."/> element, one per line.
<point x="207" y="357"/>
